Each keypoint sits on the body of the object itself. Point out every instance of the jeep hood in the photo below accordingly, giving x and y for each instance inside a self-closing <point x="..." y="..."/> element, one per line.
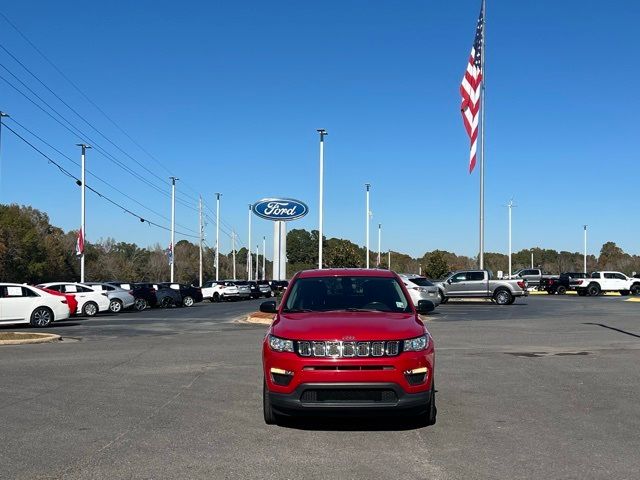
<point x="341" y="325"/>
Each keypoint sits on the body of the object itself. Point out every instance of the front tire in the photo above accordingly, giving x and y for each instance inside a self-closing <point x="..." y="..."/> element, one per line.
<point x="140" y="304"/>
<point x="41" y="317"/>
<point x="270" y="416"/>
<point x="216" y="297"/>
<point x="429" y="417"/>
<point x="90" y="309"/>
<point x="503" y="297"/>
<point x="115" y="306"/>
<point x="561" y="290"/>
<point x="635" y="289"/>
<point x="188" y="301"/>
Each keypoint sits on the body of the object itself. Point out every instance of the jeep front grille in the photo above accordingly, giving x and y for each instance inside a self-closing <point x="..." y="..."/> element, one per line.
<point x="338" y="349"/>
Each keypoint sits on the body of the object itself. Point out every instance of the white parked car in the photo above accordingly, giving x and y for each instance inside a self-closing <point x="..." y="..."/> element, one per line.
<point x="420" y="288"/>
<point x="119" y="298"/>
<point x="217" y="291"/>
<point x="90" y="301"/>
<point x="608" y="282"/>
<point x="25" y="304"/>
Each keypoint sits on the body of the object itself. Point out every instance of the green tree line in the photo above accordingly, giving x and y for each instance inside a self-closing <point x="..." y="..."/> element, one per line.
<point x="34" y="251"/>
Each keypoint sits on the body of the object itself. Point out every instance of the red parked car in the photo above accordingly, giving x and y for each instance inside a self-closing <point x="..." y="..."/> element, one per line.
<point x="71" y="299"/>
<point x="348" y="340"/>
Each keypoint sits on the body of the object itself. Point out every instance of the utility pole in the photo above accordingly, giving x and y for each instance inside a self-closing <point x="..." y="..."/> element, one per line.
<point x="218" y="236"/>
<point x="510" y="205"/>
<point x="173" y="225"/>
<point x="249" y="255"/>
<point x="322" y="133"/>
<point x="532" y="259"/>
<point x="264" y="257"/>
<point x="389" y="260"/>
<point x="368" y="217"/>
<point x="83" y="230"/>
<point x="379" y="243"/>
<point x="585" y="248"/>
<point x="233" y="250"/>
<point x="201" y="228"/>
<point x="2" y="115"/>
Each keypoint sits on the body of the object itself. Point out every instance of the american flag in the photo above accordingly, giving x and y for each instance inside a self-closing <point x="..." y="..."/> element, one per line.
<point x="470" y="90"/>
<point x="170" y="254"/>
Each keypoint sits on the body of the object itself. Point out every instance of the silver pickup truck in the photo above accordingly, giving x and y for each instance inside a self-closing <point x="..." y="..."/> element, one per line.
<point x="479" y="284"/>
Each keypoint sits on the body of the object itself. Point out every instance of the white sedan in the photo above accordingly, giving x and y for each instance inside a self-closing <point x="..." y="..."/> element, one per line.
<point x="90" y="301"/>
<point x="420" y="288"/>
<point x="25" y="304"/>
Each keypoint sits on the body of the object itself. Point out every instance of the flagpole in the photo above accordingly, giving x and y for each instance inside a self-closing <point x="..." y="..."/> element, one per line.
<point x="82" y="206"/>
<point x="482" y="106"/>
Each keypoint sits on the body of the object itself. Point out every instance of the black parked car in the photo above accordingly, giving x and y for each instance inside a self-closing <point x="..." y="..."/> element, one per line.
<point x="145" y="295"/>
<point x="255" y="290"/>
<point x="188" y="293"/>
<point x="278" y="286"/>
<point x="560" y="285"/>
<point x="166" y="296"/>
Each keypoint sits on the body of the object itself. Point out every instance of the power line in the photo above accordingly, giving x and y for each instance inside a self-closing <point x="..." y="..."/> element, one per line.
<point x="77" y="180"/>
<point x="73" y="84"/>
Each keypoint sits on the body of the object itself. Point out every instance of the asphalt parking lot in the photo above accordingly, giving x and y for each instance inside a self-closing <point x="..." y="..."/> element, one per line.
<point x="546" y="388"/>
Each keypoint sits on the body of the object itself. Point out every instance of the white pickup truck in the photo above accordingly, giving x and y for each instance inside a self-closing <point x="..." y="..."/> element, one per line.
<point x="608" y="282"/>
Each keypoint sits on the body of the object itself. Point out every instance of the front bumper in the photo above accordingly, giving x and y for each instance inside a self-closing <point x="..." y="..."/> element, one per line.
<point x="350" y="397"/>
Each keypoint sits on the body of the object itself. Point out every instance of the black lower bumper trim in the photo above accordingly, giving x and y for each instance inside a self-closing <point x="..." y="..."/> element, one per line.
<point x="309" y="397"/>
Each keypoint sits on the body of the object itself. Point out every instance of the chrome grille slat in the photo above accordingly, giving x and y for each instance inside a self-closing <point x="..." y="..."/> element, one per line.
<point x="339" y="349"/>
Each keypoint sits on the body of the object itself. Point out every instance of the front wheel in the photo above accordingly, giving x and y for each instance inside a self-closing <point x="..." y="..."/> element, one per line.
<point x="115" y="306"/>
<point x="90" y="309"/>
<point x="140" y="304"/>
<point x="41" y="317"/>
<point x="216" y="297"/>
<point x="188" y="301"/>
<point x="561" y="290"/>
<point x="503" y="297"/>
<point x="270" y="416"/>
<point x="635" y="290"/>
<point x="429" y="417"/>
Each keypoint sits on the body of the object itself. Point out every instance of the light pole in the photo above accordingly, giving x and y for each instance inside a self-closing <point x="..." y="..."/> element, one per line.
<point x="173" y="225"/>
<point x="585" y="248"/>
<point x="83" y="230"/>
<point x="322" y="133"/>
<point x="389" y="261"/>
<point x="264" y="257"/>
<point x="233" y="252"/>
<point x="257" y="262"/>
<point x="218" y="195"/>
<point x="249" y="255"/>
<point x="201" y="239"/>
<point x="379" y="243"/>
<point x="2" y="115"/>
<point x="367" y="218"/>
<point x="510" y="205"/>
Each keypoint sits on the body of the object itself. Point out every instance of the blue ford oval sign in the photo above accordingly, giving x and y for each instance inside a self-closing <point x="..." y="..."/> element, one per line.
<point x="280" y="209"/>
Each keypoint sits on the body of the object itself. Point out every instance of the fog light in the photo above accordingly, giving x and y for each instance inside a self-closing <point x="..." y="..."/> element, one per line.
<point x="416" y="376"/>
<point x="280" y="376"/>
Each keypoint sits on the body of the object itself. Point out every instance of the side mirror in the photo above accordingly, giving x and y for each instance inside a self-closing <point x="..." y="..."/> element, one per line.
<point x="423" y="307"/>
<point x="268" y="307"/>
<point x="449" y="281"/>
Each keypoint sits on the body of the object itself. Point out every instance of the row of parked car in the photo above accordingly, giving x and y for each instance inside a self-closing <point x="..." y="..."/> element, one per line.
<point x="40" y="305"/>
<point x="592" y="284"/>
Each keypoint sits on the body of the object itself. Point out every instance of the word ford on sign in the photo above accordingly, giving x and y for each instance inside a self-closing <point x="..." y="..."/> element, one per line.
<point x="280" y="209"/>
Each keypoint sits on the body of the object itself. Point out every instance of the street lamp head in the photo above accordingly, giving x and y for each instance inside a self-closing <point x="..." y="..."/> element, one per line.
<point x="4" y="114"/>
<point x="322" y="132"/>
<point x="83" y="145"/>
<point x="368" y="185"/>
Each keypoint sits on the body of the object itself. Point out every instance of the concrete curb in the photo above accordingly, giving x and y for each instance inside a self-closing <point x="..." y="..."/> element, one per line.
<point x="637" y="300"/>
<point x="260" y="318"/>
<point x="42" y="338"/>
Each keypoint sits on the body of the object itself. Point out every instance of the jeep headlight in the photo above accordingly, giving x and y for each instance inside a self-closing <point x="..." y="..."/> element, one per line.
<point x="280" y="344"/>
<point x="416" y="344"/>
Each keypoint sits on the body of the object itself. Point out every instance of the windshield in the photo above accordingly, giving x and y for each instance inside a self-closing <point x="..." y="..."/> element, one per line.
<point x="321" y="294"/>
<point x="421" y="282"/>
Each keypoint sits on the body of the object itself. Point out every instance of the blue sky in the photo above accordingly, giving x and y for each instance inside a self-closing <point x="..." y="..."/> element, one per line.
<point x="228" y="97"/>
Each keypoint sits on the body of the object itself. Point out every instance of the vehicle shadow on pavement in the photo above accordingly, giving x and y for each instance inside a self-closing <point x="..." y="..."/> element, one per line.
<point x="352" y="423"/>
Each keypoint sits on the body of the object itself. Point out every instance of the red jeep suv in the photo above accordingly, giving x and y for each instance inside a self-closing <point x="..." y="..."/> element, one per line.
<point x="348" y="340"/>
